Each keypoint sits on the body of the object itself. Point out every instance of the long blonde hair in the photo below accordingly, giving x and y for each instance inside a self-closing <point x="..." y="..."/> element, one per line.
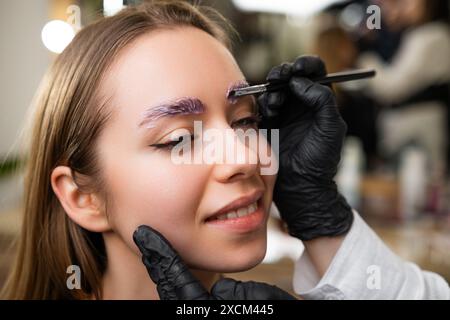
<point x="68" y="115"/>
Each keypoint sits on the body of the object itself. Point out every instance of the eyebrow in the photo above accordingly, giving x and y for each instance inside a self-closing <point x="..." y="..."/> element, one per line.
<point x="185" y="106"/>
<point x="235" y="85"/>
<point x="181" y="106"/>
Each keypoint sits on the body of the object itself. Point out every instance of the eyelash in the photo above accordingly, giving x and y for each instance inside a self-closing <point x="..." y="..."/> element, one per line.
<point x="251" y="121"/>
<point x="169" y="145"/>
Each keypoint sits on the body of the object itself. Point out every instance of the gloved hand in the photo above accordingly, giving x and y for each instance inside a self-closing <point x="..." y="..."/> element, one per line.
<point x="174" y="281"/>
<point x="311" y="136"/>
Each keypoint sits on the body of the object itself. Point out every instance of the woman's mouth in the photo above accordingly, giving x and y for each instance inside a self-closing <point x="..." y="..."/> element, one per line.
<point x="240" y="212"/>
<point x="242" y="215"/>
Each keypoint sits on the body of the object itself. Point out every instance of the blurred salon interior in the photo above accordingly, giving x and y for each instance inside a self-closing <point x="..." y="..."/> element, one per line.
<point x="395" y="164"/>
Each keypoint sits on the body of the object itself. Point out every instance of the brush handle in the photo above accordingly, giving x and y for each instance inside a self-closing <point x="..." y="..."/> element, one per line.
<point x="329" y="78"/>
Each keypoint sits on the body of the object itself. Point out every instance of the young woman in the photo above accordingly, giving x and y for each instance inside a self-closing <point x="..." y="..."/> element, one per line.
<point x="101" y="177"/>
<point x="99" y="162"/>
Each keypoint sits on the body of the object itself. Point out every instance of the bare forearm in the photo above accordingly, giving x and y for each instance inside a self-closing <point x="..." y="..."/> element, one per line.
<point x="322" y="250"/>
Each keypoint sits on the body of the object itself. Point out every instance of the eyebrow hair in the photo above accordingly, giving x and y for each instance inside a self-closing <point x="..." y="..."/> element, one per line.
<point x="182" y="106"/>
<point x="235" y="85"/>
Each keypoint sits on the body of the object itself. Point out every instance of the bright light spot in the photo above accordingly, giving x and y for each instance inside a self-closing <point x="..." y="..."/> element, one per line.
<point x="352" y="16"/>
<point x="291" y="7"/>
<point x="56" y="35"/>
<point x="111" y="7"/>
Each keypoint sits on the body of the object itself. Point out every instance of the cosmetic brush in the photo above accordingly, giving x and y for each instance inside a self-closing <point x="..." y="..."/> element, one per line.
<point x="326" y="79"/>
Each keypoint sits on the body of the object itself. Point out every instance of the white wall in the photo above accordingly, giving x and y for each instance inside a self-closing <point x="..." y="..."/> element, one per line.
<point x="23" y="61"/>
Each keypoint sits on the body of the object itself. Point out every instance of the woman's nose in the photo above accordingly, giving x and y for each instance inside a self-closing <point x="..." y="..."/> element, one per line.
<point x="240" y="157"/>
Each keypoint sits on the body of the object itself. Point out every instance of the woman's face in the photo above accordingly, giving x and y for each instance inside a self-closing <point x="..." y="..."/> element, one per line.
<point x="182" y="201"/>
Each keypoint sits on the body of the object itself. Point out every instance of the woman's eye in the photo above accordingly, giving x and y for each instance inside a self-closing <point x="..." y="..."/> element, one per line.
<point x="175" y="142"/>
<point x="247" y="122"/>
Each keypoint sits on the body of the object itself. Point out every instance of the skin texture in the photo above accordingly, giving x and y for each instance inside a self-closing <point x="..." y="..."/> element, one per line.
<point x="144" y="187"/>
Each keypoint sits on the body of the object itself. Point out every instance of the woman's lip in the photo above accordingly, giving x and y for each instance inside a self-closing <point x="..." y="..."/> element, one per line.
<point x="243" y="224"/>
<point x="238" y="203"/>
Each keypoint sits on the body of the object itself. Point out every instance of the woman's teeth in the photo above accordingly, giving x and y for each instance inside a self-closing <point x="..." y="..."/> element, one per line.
<point x="239" y="212"/>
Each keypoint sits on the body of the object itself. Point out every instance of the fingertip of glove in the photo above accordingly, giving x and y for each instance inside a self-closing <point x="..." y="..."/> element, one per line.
<point x="139" y="233"/>
<point x="309" y="65"/>
<point x="280" y="72"/>
<point x="139" y="237"/>
<point x="144" y="235"/>
<point x="299" y="65"/>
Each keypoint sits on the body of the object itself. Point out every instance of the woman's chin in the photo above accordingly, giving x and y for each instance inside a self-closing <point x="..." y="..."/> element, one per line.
<point x="235" y="262"/>
<point x="241" y="266"/>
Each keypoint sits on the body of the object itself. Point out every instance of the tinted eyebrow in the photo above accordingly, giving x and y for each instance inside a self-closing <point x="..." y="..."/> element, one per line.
<point x="181" y="106"/>
<point x="237" y="85"/>
<point x="233" y="86"/>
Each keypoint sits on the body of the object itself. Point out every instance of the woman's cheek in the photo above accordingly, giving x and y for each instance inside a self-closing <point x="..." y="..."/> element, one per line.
<point x="152" y="198"/>
<point x="162" y="217"/>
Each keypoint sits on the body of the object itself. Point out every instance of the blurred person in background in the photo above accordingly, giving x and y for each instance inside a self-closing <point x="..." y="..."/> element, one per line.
<point x="65" y="221"/>
<point x="414" y="85"/>
<point x="339" y="52"/>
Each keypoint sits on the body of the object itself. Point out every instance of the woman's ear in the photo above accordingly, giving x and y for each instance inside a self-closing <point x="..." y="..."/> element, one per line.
<point x="85" y="209"/>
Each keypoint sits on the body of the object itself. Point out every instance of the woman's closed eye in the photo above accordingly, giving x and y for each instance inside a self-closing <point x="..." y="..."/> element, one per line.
<point x="174" y="141"/>
<point x="250" y="122"/>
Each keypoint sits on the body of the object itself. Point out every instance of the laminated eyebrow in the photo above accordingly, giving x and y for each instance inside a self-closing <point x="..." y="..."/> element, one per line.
<point x="234" y="86"/>
<point x="182" y="106"/>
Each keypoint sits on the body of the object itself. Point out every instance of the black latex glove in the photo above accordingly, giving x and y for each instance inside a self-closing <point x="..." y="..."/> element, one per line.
<point x="174" y="281"/>
<point x="311" y="136"/>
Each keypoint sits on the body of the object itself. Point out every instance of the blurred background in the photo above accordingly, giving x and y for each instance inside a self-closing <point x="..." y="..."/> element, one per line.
<point x="396" y="159"/>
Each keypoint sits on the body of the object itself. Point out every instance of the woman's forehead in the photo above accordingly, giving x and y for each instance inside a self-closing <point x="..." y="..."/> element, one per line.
<point x="169" y="64"/>
<point x="182" y="56"/>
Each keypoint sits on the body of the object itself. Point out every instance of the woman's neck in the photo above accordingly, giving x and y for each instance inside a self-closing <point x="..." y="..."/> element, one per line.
<point x="127" y="278"/>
